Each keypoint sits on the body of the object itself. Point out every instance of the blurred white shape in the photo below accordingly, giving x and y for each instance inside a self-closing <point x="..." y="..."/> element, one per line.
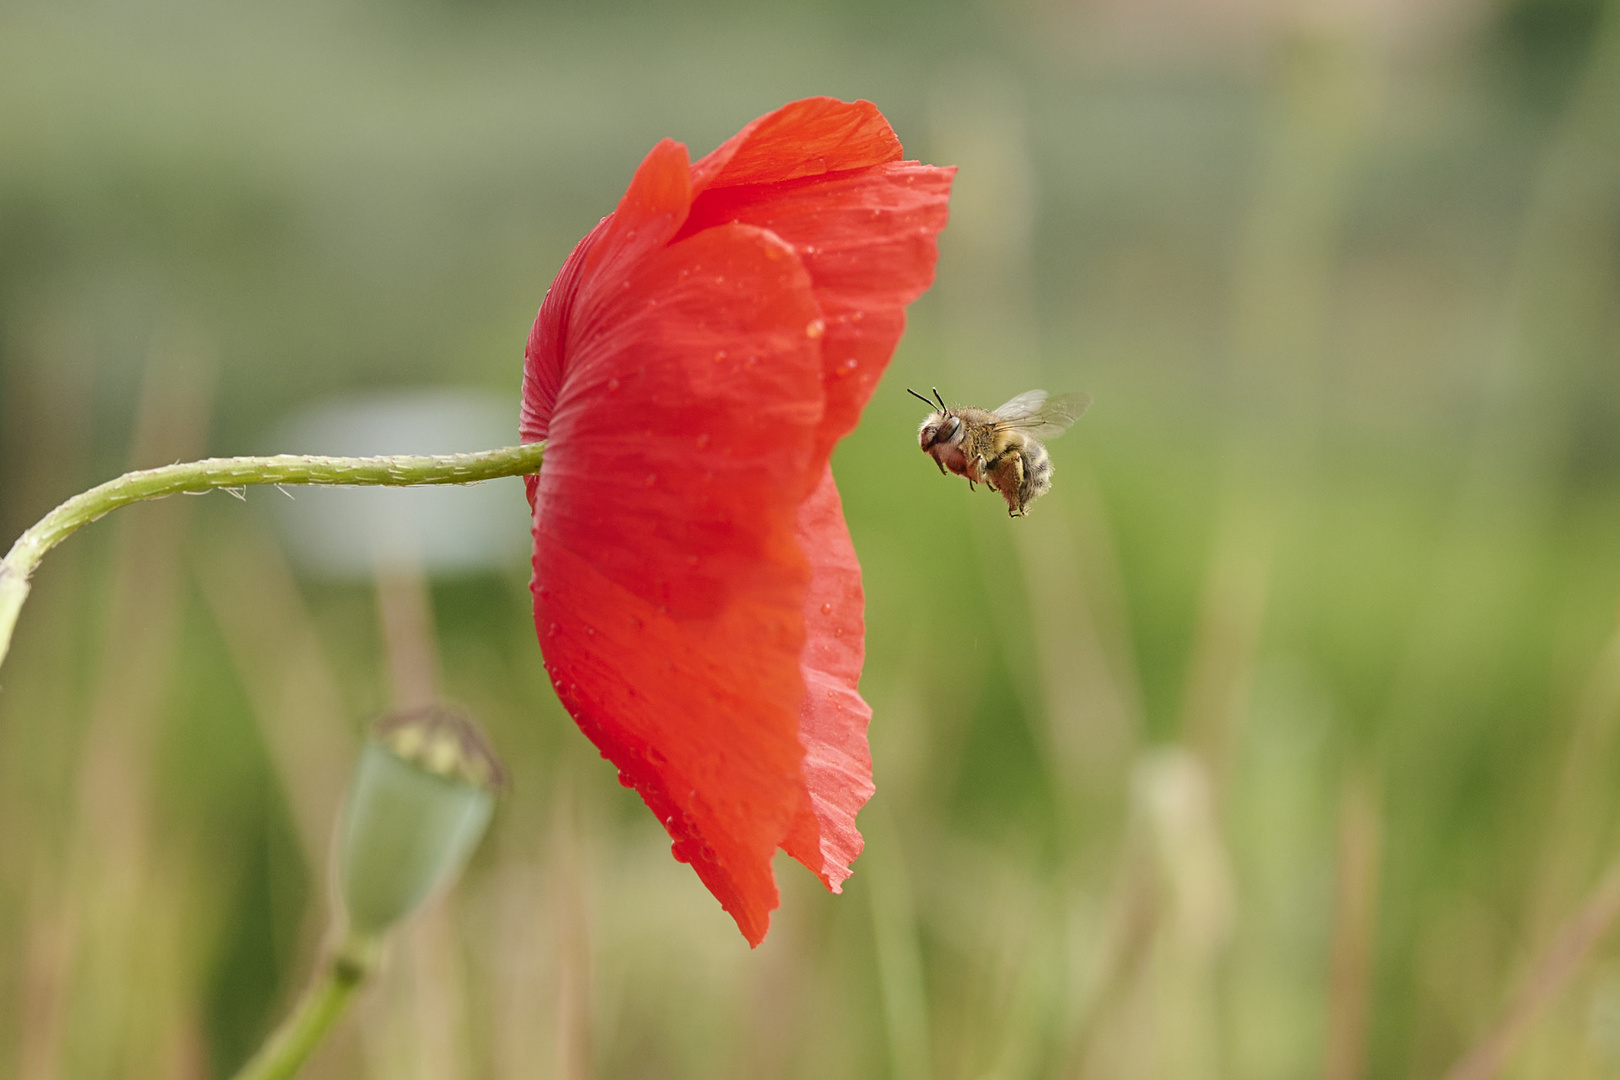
<point x="1171" y="790"/>
<point x="354" y="532"/>
<point x="1603" y="1017"/>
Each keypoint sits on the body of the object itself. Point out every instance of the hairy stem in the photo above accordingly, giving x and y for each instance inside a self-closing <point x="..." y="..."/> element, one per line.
<point x="229" y="473"/>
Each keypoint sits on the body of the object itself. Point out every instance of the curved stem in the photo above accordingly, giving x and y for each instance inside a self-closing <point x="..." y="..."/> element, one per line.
<point x="213" y="473"/>
<point x="317" y="1010"/>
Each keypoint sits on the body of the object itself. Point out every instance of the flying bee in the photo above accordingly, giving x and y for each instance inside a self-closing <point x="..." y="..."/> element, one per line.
<point x="1000" y="448"/>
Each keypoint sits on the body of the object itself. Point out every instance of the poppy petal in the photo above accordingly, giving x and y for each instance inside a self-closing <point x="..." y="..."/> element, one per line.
<point x="803" y="138"/>
<point x="869" y="240"/>
<point x="832" y="722"/>
<point x="653" y="207"/>
<point x="669" y="577"/>
<point x="696" y="591"/>
<point x="543" y="369"/>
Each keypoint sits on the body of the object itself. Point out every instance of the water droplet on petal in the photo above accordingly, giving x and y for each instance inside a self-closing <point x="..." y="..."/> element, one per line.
<point x="652" y="478"/>
<point x="703" y="440"/>
<point x="838" y="631"/>
<point x="613" y="384"/>
<point x="826" y="609"/>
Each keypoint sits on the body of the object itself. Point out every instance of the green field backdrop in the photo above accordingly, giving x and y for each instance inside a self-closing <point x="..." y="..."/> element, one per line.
<point x="1280" y="741"/>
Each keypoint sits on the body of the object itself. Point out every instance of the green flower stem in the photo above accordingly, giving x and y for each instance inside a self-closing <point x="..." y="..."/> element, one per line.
<point x="231" y="473"/>
<point x="291" y="1044"/>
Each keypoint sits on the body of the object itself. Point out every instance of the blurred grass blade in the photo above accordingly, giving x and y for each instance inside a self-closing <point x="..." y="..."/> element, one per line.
<point x="899" y="951"/>
<point x="128" y="980"/>
<point x="1089" y="700"/>
<point x="571" y="927"/>
<point x="405" y="609"/>
<point x="1226" y="648"/>
<point x="1355" y="921"/>
<point x="1546" y="979"/>
<point x="1582" y="796"/>
<point x="282" y="664"/>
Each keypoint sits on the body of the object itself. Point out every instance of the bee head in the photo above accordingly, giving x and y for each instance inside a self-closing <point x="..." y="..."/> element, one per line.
<point x="939" y="426"/>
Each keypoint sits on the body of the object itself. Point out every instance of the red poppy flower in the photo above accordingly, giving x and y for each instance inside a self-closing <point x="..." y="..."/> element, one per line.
<point x="696" y="593"/>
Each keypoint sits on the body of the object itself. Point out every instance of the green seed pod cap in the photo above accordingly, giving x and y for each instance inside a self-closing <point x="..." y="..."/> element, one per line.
<point x="421" y="795"/>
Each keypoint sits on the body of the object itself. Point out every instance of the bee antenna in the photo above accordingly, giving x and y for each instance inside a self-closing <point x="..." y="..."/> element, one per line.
<point x="941" y="400"/>
<point x="919" y="397"/>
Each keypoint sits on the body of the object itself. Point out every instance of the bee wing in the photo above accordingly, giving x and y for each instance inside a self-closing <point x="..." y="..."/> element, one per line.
<point x="1036" y="413"/>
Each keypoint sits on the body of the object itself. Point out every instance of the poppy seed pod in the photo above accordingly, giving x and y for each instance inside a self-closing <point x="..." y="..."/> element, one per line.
<point x="420" y="797"/>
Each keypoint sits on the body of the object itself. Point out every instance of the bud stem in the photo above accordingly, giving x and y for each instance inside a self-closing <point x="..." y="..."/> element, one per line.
<point x="322" y="1003"/>
<point x="230" y="473"/>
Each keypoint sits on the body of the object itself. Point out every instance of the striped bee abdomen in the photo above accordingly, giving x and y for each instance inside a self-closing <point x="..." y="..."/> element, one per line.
<point x="1037" y="475"/>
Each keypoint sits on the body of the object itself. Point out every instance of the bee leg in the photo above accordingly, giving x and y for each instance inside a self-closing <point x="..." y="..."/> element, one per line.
<point x="941" y="465"/>
<point x="1010" y="474"/>
<point x="971" y="487"/>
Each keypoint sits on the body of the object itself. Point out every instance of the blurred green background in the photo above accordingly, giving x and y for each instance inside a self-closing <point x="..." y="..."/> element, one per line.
<point x="1279" y="742"/>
